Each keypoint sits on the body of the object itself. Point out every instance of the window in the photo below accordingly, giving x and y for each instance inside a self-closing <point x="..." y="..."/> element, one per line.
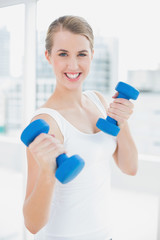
<point x="11" y="78"/>
<point x="11" y="68"/>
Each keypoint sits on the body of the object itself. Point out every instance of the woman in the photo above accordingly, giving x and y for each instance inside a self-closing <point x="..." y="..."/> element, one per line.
<point x="80" y="209"/>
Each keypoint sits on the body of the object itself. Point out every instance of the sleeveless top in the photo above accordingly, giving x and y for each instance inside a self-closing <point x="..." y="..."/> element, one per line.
<point x="80" y="209"/>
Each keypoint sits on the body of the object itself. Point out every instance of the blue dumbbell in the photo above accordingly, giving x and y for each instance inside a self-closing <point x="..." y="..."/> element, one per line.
<point x="109" y="125"/>
<point x="67" y="167"/>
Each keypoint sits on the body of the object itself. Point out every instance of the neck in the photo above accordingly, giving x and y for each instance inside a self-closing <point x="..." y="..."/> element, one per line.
<point x="68" y="98"/>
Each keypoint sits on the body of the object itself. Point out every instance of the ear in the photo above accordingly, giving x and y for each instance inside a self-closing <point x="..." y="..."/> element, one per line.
<point x="47" y="56"/>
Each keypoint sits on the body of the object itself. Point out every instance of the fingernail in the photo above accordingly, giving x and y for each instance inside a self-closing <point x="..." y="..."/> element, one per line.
<point x="52" y="135"/>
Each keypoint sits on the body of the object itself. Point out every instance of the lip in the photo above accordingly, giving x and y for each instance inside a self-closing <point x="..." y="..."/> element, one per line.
<point x="72" y="72"/>
<point x="75" y="79"/>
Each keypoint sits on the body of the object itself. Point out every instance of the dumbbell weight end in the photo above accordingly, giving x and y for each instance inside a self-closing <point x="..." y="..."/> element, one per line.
<point x="107" y="126"/>
<point x="68" y="167"/>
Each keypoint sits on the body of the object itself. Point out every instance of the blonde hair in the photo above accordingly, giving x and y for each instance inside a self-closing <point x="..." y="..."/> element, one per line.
<point x="74" y="24"/>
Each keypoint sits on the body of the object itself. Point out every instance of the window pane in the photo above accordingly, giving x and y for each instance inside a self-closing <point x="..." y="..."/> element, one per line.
<point x="11" y="67"/>
<point x="11" y="76"/>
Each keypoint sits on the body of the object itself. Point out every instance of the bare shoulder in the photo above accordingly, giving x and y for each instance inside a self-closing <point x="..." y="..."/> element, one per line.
<point x="54" y="128"/>
<point x="102" y="99"/>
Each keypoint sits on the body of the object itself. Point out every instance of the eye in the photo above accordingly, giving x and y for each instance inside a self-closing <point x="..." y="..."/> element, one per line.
<point x="82" y="55"/>
<point x="63" y="54"/>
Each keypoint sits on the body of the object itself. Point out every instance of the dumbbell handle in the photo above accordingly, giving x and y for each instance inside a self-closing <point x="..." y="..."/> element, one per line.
<point x="111" y="120"/>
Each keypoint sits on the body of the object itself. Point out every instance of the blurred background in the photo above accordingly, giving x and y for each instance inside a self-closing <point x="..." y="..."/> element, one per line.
<point x="127" y="48"/>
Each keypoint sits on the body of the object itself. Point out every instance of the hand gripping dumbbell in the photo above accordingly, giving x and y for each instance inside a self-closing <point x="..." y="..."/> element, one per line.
<point x="109" y="125"/>
<point x="67" y="167"/>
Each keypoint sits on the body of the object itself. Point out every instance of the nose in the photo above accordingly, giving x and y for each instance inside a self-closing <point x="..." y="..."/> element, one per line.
<point x="72" y="63"/>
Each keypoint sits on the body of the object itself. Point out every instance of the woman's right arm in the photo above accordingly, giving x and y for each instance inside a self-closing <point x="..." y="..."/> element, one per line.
<point x="41" y="158"/>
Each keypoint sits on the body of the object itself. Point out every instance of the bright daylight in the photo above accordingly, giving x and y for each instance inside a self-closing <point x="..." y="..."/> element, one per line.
<point x="79" y="120"/>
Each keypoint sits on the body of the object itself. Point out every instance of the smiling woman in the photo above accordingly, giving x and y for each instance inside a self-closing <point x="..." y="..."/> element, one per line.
<point x="137" y="36"/>
<point x="80" y="209"/>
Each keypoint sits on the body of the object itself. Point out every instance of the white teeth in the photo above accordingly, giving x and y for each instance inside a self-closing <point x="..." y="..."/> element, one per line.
<point x="72" y="76"/>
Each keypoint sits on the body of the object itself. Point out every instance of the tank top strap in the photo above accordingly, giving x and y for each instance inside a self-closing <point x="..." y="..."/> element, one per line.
<point x="55" y="115"/>
<point x="95" y="99"/>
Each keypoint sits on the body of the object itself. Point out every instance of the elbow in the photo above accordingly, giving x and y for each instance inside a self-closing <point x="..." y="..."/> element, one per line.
<point x="133" y="166"/>
<point x="33" y="225"/>
<point x="132" y="170"/>
<point x="31" y="229"/>
<point x="28" y="223"/>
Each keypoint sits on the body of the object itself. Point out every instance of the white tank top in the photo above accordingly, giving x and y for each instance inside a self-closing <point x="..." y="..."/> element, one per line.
<point x="80" y="209"/>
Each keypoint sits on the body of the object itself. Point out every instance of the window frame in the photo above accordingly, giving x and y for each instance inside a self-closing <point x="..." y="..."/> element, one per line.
<point x="29" y="73"/>
<point x="7" y="3"/>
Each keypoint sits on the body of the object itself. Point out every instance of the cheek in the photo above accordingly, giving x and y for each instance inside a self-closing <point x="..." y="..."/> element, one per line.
<point x="57" y="65"/>
<point x="86" y="65"/>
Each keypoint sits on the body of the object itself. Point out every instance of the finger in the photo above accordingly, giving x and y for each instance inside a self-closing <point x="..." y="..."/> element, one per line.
<point x="42" y="141"/>
<point x="52" y="135"/>
<point x="46" y="142"/>
<point x="56" y="150"/>
<point x="121" y="107"/>
<point x="49" y="141"/>
<point x="60" y="150"/>
<point x="124" y="101"/>
<point x="115" y="95"/>
<point x="119" y="113"/>
<point x="37" y="140"/>
<point x="118" y="118"/>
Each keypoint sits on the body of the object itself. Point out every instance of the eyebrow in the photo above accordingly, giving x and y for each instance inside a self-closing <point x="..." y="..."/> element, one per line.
<point x="63" y="50"/>
<point x="83" y="51"/>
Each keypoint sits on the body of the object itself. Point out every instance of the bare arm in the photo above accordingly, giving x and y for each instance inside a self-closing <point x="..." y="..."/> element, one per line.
<point x="125" y="155"/>
<point x="41" y="157"/>
<point x="37" y="204"/>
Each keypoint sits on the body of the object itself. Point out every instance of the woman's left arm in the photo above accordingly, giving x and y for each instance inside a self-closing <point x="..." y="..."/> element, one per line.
<point x="125" y="155"/>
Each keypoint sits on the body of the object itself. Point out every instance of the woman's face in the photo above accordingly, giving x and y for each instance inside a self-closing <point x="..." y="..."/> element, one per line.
<point x="70" y="58"/>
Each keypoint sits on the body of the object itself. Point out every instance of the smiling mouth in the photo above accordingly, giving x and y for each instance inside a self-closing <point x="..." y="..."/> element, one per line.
<point x="72" y="76"/>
